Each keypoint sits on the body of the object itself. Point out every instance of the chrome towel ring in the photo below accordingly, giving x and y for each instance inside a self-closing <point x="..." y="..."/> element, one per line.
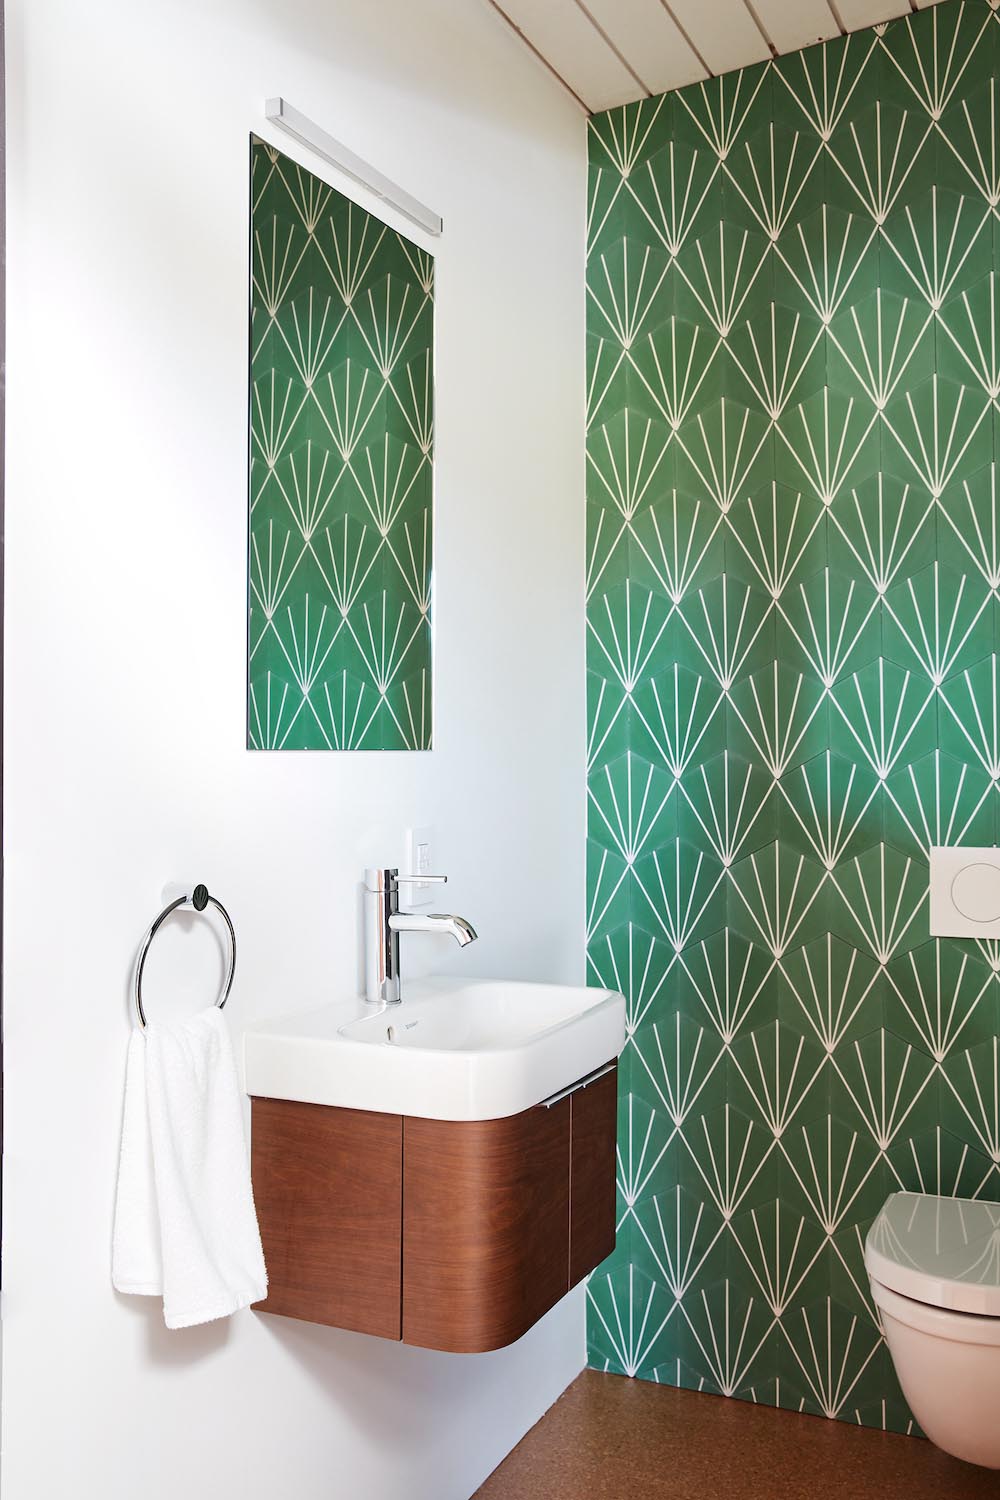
<point x="199" y="899"/>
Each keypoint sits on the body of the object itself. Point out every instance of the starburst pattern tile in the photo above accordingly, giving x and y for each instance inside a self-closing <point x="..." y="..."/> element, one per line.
<point x="793" y="691"/>
<point x="341" y="455"/>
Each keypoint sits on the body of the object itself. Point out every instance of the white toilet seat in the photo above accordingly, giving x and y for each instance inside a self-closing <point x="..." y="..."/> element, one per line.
<point x="940" y="1322"/>
<point x="944" y="1252"/>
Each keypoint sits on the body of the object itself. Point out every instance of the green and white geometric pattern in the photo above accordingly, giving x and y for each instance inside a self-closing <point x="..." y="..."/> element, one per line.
<point x="794" y="584"/>
<point x="341" y="469"/>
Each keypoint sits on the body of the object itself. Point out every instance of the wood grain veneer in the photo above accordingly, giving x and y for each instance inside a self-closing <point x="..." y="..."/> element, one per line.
<point x="485" y="1227"/>
<point x="594" y="1129"/>
<point x="450" y="1234"/>
<point x="327" y="1185"/>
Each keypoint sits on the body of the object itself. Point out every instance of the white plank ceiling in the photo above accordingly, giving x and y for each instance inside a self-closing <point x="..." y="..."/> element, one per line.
<point x="610" y="52"/>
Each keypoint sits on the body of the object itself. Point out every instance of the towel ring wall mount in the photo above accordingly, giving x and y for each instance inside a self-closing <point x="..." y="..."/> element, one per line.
<point x="198" y="898"/>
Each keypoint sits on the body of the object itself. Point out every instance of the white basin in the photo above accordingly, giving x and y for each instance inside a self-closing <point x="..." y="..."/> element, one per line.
<point x="454" y="1049"/>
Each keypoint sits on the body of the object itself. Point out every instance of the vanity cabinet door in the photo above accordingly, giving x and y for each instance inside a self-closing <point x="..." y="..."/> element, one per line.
<point x="328" y="1190"/>
<point x="485" y="1227"/>
<point x="594" y="1122"/>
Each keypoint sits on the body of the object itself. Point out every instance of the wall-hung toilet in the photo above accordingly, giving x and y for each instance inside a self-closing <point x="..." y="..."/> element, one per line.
<point x="934" y="1268"/>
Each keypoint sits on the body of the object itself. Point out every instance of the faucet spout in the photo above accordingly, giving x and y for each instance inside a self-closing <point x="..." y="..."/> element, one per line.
<point x="384" y="922"/>
<point x="434" y="921"/>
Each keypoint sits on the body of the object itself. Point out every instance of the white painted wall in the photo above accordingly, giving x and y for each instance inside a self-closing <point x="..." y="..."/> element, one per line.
<point x="125" y="767"/>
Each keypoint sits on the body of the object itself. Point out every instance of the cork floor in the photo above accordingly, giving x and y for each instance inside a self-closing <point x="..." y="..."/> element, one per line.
<point x="608" y="1438"/>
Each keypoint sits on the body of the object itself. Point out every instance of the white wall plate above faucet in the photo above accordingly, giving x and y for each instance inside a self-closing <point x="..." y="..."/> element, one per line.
<point x="965" y="892"/>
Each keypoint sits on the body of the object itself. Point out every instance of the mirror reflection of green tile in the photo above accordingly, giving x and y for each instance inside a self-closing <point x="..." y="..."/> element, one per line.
<point x="341" y="471"/>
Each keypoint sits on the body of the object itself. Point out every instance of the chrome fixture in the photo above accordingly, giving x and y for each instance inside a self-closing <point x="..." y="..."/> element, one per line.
<point x="309" y="134"/>
<point x="197" y="897"/>
<point x="384" y="922"/>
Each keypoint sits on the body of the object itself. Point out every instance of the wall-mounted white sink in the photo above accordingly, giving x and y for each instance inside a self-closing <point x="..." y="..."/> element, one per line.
<point x="453" y="1050"/>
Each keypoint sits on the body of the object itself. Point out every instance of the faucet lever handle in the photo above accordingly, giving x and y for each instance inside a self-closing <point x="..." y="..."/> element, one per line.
<point x="385" y="878"/>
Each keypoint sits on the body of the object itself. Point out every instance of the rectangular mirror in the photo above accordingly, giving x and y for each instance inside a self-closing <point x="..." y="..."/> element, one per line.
<point x="341" y="471"/>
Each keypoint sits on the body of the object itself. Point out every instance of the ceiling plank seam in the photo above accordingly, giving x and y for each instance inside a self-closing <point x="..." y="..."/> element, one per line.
<point x="755" y="18"/>
<point x="541" y="57"/>
<point x="609" y="43"/>
<point x="838" y="18"/>
<point x="687" y="37"/>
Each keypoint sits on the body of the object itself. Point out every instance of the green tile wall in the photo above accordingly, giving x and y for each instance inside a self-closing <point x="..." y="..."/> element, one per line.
<point x="341" y="467"/>
<point x="794" y="573"/>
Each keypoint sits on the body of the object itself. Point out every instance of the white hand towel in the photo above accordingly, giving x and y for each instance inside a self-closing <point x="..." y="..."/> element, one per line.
<point x="185" y="1225"/>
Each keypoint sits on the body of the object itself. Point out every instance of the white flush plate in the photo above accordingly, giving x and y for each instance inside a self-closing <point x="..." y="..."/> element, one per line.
<point x="965" y="892"/>
<point x="419" y="861"/>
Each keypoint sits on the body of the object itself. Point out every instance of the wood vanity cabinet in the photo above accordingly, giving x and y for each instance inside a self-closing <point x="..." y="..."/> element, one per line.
<point x="327" y="1185"/>
<point x="450" y="1234"/>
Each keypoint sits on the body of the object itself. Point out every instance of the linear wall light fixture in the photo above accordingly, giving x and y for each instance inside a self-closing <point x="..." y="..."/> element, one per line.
<point x="309" y="134"/>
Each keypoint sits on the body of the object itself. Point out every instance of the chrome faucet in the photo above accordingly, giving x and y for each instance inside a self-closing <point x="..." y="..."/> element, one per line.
<point x="384" y="922"/>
